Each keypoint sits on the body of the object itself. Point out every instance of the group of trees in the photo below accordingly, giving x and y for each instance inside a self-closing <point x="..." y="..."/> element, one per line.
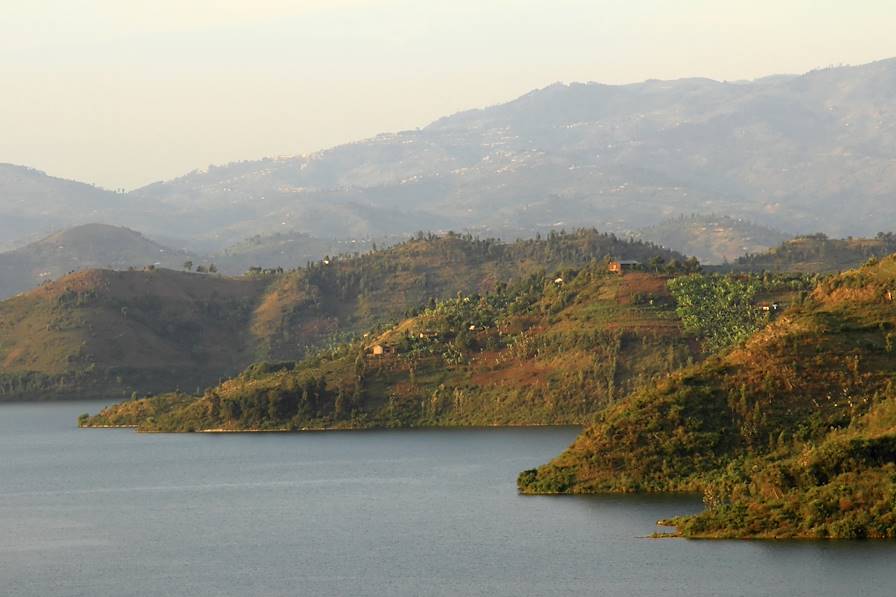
<point x="29" y="383"/>
<point x="720" y="309"/>
<point x="723" y="309"/>
<point x="298" y="401"/>
<point x="202" y="269"/>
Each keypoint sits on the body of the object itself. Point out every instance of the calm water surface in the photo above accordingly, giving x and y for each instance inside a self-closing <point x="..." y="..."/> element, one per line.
<point x="111" y="512"/>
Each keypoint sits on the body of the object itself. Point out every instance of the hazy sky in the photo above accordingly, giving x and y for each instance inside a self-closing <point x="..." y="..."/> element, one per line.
<point x="125" y="92"/>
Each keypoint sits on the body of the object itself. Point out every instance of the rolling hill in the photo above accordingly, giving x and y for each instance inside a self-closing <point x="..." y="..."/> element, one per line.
<point x="546" y="350"/>
<point x="106" y="333"/>
<point x="82" y="247"/>
<point x="33" y="204"/>
<point x="102" y="333"/>
<point x="93" y="245"/>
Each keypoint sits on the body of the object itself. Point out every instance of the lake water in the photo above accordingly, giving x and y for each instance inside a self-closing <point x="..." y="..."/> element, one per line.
<point x="111" y="512"/>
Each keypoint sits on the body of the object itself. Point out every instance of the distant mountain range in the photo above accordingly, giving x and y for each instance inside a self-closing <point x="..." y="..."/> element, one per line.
<point x="809" y="153"/>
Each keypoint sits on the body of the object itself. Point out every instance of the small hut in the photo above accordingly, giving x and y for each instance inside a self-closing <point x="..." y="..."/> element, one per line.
<point x="622" y="266"/>
<point x="379" y="350"/>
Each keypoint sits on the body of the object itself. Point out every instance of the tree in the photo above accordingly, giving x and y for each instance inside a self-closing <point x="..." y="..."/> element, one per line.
<point x="339" y="405"/>
<point x="188" y="265"/>
<point x="305" y="408"/>
<point x="231" y="410"/>
<point x="276" y="405"/>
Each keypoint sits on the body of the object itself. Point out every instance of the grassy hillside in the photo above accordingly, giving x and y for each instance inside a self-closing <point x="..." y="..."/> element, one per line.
<point x="102" y="333"/>
<point x="546" y="350"/>
<point x="817" y="254"/>
<point x="98" y="333"/>
<point x="791" y="434"/>
<point x="712" y="239"/>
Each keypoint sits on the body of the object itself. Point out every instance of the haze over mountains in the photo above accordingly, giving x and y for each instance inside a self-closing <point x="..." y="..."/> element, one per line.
<point x="712" y="239"/>
<point x="82" y="247"/>
<point x="810" y="153"/>
<point x="89" y="246"/>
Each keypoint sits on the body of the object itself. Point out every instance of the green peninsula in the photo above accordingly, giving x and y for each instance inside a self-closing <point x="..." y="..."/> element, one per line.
<point x="792" y="434"/>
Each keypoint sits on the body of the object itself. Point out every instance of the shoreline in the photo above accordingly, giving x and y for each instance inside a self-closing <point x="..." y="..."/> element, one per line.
<point x="349" y="429"/>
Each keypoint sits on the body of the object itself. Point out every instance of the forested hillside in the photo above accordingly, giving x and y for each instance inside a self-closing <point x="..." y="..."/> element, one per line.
<point x="101" y="333"/>
<point x="309" y="305"/>
<point x="790" y="434"/>
<point x="549" y="349"/>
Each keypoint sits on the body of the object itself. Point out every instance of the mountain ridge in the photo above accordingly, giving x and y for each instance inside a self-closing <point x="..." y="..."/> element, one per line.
<point x="778" y="151"/>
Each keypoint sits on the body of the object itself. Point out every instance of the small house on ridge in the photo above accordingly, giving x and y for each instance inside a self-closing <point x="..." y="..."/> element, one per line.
<point x="623" y="265"/>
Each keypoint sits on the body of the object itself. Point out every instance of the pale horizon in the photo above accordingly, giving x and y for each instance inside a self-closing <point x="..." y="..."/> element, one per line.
<point x="121" y="96"/>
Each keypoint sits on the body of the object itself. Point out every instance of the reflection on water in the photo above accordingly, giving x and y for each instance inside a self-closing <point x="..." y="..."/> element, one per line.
<point x="111" y="512"/>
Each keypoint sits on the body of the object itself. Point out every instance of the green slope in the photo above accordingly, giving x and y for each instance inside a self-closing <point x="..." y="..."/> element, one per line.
<point x="105" y="333"/>
<point x="547" y="350"/>
<point x="102" y="333"/>
<point x="327" y="301"/>
<point x="791" y="434"/>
